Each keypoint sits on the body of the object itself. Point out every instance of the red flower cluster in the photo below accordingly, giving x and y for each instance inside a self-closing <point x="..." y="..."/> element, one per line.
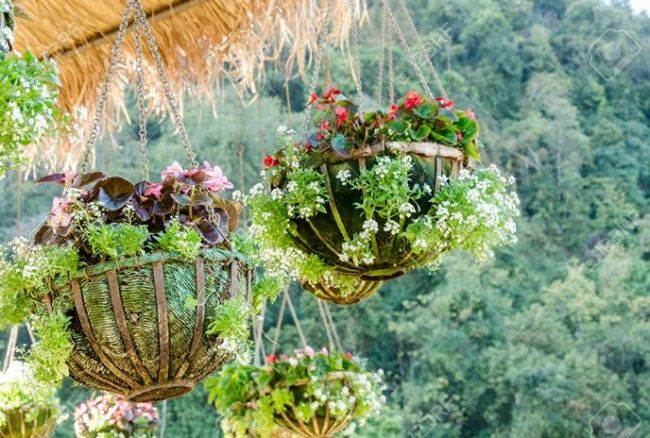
<point x="270" y="161"/>
<point x="341" y="115"/>
<point x="271" y="358"/>
<point x="445" y="103"/>
<point x="412" y="99"/>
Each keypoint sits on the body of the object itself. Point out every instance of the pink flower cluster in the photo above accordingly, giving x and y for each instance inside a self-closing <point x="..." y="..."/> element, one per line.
<point x="112" y="413"/>
<point x="60" y="216"/>
<point x="211" y="176"/>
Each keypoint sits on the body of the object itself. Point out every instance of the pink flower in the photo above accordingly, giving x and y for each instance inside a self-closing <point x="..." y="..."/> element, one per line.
<point x="284" y="358"/>
<point x="250" y="405"/>
<point x="313" y="97"/>
<point x="271" y="358"/>
<point x="393" y="111"/>
<point x="324" y="126"/>
<point x="154" y="190"/>
<point x="215" y="179"/>
<point x="293" y="361"/>
<point x="459" y="136"/>
<point x="445" y="103"/>
<point x="173" y="170"/>
<point x="69" y="177"/>
<point x="412" y="100"/>
<point x="470" y="114"/>
<point x="60" y="216"/>
<point x="324" y="352"/>
<point x="310" y="352"/>
<point x="341" y="115"/>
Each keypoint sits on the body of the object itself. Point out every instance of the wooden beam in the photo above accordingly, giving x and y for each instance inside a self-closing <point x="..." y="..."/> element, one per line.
<point x="102" y="37"/>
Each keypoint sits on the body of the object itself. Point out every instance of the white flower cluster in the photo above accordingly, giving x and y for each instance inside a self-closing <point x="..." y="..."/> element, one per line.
<point x="475" y="213"/>
<point x="343" y="176"/>
<point x="358" y="249"/>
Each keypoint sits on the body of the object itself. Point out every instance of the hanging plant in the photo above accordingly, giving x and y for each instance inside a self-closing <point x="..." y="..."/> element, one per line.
<point x="309" y="394"/>
<point x="27" y="410"/>
<point x="114" y="416"/>
<point x="135" y="289"/>
<point x="372" y="195"/>
<point x="29" y="90"/>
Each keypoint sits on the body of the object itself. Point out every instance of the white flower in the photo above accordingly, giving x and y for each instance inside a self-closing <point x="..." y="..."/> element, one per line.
<point x="391" y="227"/>
<point x="281" y="129"/>
<point x="343" y="175"/>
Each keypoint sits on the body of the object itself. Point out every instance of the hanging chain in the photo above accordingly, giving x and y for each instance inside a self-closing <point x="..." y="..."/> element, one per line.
<point x="318" y="54"/>
<point x="409" y="52"/>
<point x="356" y="57"/>
<point x="141" y="17"/>
<point x="140" y="103"/>
<point x="427" y="60"/>
<point x="379" y="90"/>
<point x="113" y="60"/>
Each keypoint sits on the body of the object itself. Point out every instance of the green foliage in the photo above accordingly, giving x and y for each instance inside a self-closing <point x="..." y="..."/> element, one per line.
<point x="259" y="400"/>
<point x="231" y="324"/>
<point x="116" y="240"/>
<point x="179" y="239"/>
<point x="48" y="356"/>
<point x="29" y="89"/>
<point x="19" y="391"/>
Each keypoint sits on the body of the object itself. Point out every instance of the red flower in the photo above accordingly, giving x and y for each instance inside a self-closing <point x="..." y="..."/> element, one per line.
<point x="341" y="115"/>
<point x="393" y="111"/>
<point x="271" y="358"/>
<point x="325" y="126"/>
<point x="269" y="161"/>
<point x="308" y="147"/>
<point x="445" y="103"/>
<point x="313" y="97"/>
<point x="412" y="100"/>
<point x="331" y="94"/>
<point x="319" y="107"/>
<point x="319" y="136"/>
<point x="459" y="136"/>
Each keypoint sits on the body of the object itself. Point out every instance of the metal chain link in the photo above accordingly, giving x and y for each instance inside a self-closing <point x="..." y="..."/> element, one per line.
<point x="169" y="94"/>
<point x="356" y="57"/>
<point x="409" y="52"/>
<point x="318" y="54"/>
<point x="113" y="60"/>
<point x="427" y="60"/>
<point x="140" y="103"/>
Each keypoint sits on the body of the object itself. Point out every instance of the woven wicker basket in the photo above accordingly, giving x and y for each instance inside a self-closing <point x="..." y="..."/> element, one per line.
<point x="324" y="233"/>
<point x="323" y="291"/>
<point x="133" y="331"/>
<point x="41" y="423"/>
<point x="322" y="426"/>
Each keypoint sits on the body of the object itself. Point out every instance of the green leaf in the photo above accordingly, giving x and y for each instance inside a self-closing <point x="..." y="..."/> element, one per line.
<point x="397" y="126"/>
<point x="472" y="151"/>
<point x="422" y="133"/>
<point x="426" y="111"/>
<point x="448" y="115"/>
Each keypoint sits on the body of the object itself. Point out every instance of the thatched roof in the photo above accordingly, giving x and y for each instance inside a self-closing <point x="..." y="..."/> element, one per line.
<point x="202" y="41"/>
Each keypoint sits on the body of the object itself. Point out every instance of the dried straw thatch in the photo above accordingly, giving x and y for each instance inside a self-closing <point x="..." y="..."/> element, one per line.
<point x="202" y="42"/>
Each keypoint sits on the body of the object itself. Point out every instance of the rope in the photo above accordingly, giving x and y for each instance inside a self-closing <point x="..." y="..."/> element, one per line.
<point x="320" y="45"/>
<point x="408" y="51"/>
<point x="278" y="325"/>
<point x="356" y="58"/>
<point x="379" y="89"/>
<point x="328" y="331"/>
<point x="427" y="60"/>
<point x="295" y="318"/>
<point x="328" y="314"/>
<point x="11" y="348"/>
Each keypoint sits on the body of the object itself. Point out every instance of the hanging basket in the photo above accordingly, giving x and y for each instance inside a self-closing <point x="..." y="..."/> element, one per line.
<point x="112" y="416"/>
<point x="325" y="233"/>
<point x="29" y="422"/>
<point x="361" y="290"/>
<point x="132" y="329"/>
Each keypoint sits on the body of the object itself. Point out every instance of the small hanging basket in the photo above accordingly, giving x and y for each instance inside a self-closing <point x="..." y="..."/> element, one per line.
<point x="29" y="422"/>
<point x="111" y="415"/>
<point x="360" y="290"/>
<point x="325" y="233"/>
<point x="132" y="329"/>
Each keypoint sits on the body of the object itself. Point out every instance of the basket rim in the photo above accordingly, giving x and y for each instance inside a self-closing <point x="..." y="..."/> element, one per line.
<point x="213" y="254"/>
<point x="427" y="149"/>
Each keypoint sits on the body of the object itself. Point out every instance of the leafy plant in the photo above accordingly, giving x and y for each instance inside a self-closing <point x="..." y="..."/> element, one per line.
<point x="23" y="402"/>
<point x="29" y="89"/>
<point x="298" y="389"/>
<point x="113" y="416"/>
